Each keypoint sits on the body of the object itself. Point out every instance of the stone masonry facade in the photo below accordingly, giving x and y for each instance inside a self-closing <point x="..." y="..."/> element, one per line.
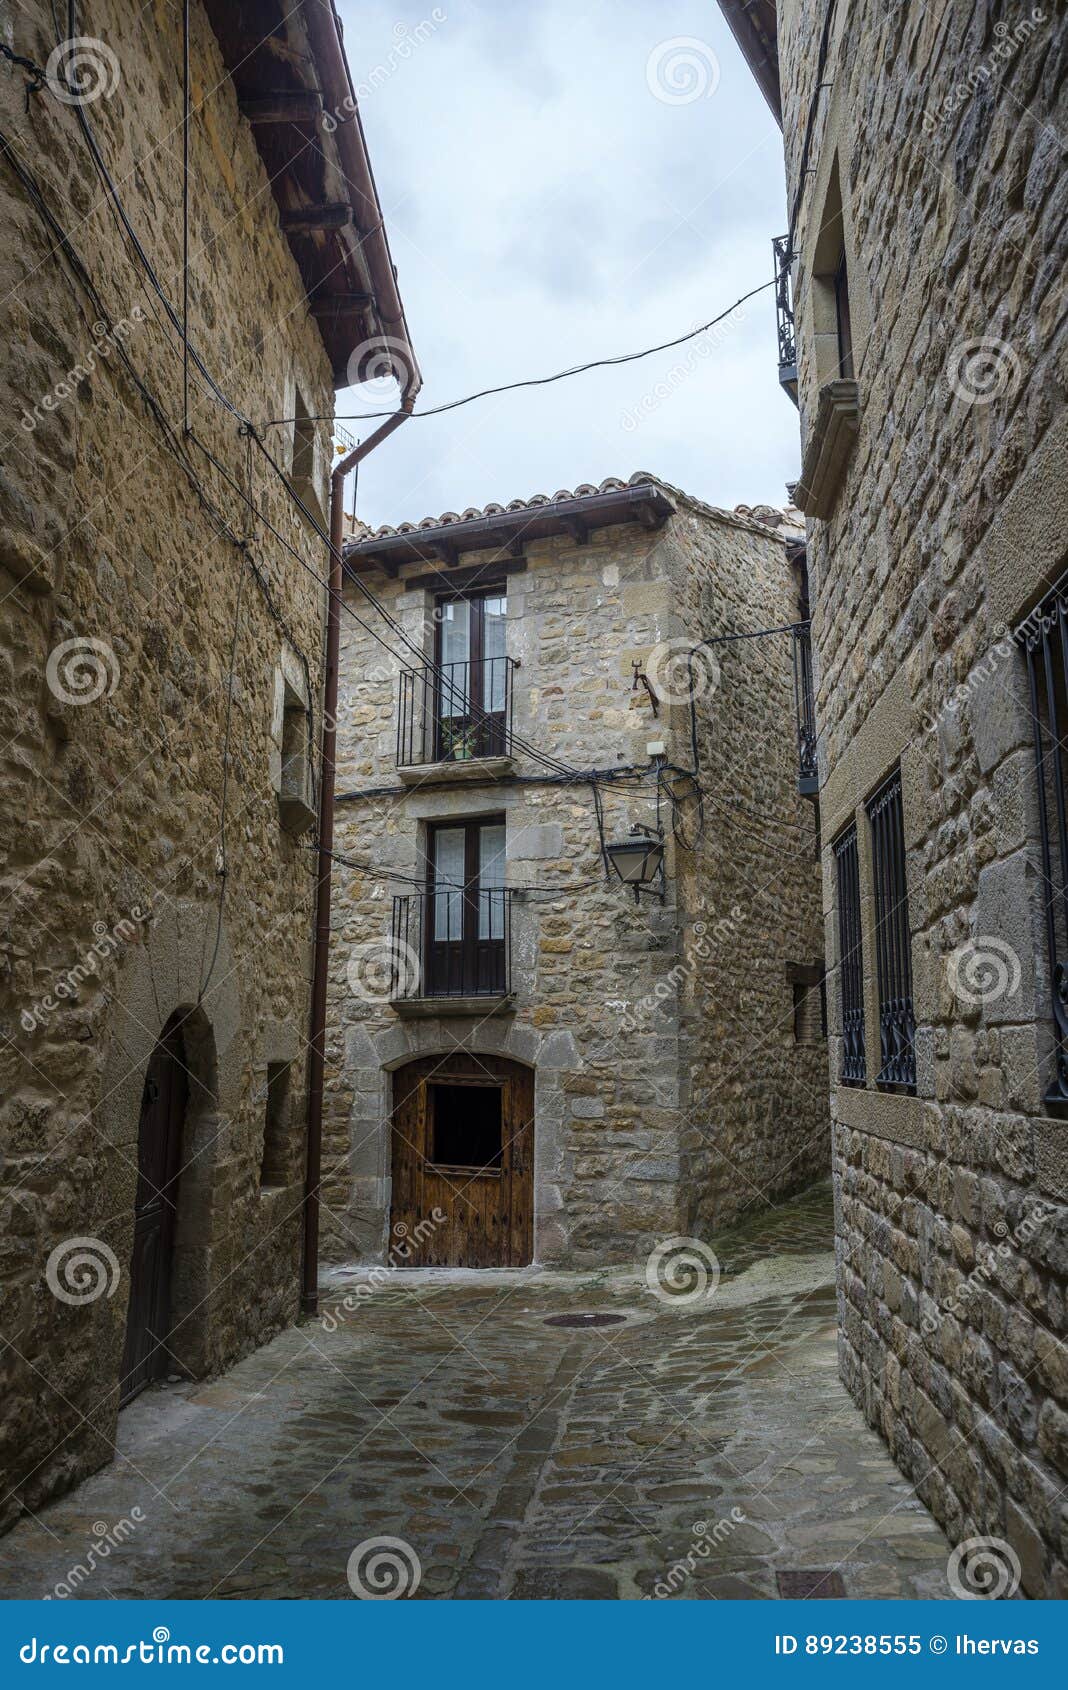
<point x="669" y="1092"/>
<point x="161" y="656"/>
<point x="930" y="161"/>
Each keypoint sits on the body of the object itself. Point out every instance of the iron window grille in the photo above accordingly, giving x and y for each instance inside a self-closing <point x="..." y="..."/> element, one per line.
<point x="1044" y="635"/>
<point x="893" y="943"/>
<point x="850" y="953"/>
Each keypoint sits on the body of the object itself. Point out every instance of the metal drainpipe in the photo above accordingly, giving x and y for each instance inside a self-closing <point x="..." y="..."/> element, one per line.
<point x="309" y="1301"/>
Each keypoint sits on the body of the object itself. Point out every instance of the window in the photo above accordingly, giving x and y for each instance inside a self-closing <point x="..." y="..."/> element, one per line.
<point x="850" y="959"/>
<point x="842" y="318"/>
<point x="893" y="942"/>
<point x="475" y="676"/>
<point x="275" y="1159"/>
<point x="467" y="920"/>
<point x="466" y="1127"/>
<point x="307" y="467"/>
<point x="810" y="1002"/>
<point x="1045" y="640"/>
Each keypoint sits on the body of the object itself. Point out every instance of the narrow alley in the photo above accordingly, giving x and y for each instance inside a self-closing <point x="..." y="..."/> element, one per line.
<point x="459" y="1432"/>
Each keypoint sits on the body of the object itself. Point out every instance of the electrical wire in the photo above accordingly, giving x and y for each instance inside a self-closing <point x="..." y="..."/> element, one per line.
<point x="542" y="381"/>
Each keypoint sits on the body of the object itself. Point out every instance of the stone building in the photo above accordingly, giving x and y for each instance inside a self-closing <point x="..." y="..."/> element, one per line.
<point x="527" y="1060"/>
<point x="161" y="564"/>
<point x="923" y="331"/>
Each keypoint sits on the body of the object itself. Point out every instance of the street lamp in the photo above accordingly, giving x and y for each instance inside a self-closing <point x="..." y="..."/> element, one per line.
<point x="639" y="860"/>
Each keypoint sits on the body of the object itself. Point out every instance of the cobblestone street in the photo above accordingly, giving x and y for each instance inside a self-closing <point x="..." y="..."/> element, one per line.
<point x="697" y="1450"/>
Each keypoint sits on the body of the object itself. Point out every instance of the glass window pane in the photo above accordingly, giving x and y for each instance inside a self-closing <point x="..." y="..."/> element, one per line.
<point x="493" y="647"/>
<point x="491" y="882"/>
<point x="455" y="653"/>
<point x="449" y="873"/>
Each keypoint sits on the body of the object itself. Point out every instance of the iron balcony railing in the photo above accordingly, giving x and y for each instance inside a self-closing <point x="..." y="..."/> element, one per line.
<point x="455" y="711"/>
<point x="452" y="942"/>
<point x="784" y="312"/>
<point x="805" y="700"/>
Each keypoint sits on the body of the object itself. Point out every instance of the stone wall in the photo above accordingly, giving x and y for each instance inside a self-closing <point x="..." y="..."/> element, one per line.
<point x="641" y="1128"/>
<point x="128" y="732"/>
<point x="946" y="128"/>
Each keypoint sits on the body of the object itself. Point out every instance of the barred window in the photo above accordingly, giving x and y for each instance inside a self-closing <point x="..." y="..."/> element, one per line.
<point x="1044" y="635"/>
<point x="893" y="944"/>
<point x="850" y="970"/>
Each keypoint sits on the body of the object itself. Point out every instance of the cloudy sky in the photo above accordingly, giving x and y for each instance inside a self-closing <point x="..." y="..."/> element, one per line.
<point x="554" y="193"/>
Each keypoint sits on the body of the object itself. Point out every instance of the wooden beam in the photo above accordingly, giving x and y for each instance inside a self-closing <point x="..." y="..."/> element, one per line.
<point x="340" y="304"/>
<point x="311" y="219"/>
<point x="647" y="516"/>
<point x="302" y="107"/>
<point x="577" y="529"/>
<point x="446" y="552"/>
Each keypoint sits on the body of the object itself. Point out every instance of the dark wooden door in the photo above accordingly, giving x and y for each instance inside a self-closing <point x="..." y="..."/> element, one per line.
<point x="470" y="720"/>
<point x="148" y="1320"/>
<point x="463" y="1144"/>
<point x="466" y="927"/>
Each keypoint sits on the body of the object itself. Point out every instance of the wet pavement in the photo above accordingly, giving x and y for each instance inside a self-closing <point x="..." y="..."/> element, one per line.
<point x="699" y="1447"/>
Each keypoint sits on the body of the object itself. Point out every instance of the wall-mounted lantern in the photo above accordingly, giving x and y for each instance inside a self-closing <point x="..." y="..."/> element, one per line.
<point x="639" y="861"/>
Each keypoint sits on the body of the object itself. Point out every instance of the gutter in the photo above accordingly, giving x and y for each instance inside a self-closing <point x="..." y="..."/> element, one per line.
<point x="309" y="1299"/>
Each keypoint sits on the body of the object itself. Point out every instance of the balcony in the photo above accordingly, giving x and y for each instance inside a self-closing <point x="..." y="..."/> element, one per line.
<point x="784" y="312"/>
<point x="808" y="783"/>
<point x="451" y="951"/>
<point x="455" y="720"/>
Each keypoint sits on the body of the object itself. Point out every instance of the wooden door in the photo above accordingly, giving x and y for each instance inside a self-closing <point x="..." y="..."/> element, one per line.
<point x="463" y="1144"/>
<point x="473" y="675"/>
<point x="465" y="944"/>
<point x="148" y="1319"/>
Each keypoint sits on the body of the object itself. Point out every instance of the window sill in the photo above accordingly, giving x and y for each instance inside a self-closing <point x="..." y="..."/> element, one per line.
<point x="449" y="769"/>
<point x="414" y="1009"/>
<point x="830" y="446"/>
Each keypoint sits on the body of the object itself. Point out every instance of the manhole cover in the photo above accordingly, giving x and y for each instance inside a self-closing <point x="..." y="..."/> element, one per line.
<point x="585" y="1319"/>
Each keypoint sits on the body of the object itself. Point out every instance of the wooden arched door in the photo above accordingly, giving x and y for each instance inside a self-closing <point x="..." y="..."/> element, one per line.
<point x="463" y="1147"/>
<point x="159" y="1143"/>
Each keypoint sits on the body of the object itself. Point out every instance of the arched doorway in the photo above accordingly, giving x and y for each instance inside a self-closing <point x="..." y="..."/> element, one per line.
<point x="145" y="1353"/>
<point x="463" y="1162"/>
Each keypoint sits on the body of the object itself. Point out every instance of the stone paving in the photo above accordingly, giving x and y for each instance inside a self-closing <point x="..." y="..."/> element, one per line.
<point x="696" y="1449"/>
